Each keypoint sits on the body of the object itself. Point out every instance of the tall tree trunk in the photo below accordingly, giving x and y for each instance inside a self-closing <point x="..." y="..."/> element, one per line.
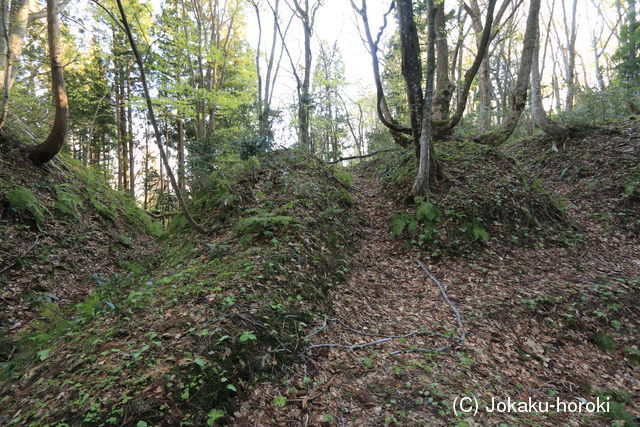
<point x="444" y="87"/>
<point x="132" y="165"/>
<point x="14" y="33"/>
<point x="154" y="123"/>
<point x="519" y="95"/>
<point x="440" y="129"/>
<point x="42" y="153"/>
<point x="181" y="174"/>
<point x="305" y="98"/>
<point x="411" y="68"/>
<point x="571" y="55"/>
<point x="421" y="184"/>
<point x="540" y="118"/>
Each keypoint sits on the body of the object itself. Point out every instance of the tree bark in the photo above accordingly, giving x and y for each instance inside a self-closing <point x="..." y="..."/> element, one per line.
<point x="421" y="184"/>
<point x="42" y="153"/>
<point x="411" y="67"/>
<point x="571" y="56"/>
<point x="519" y="95"/>
<point x="154" y="122"/>
<point x="130" y="141"/>
<point x="444" y="87"/>
<point x="442" y="128"/>
<point x="540" y="118"/>
<point x="15" y="31"/>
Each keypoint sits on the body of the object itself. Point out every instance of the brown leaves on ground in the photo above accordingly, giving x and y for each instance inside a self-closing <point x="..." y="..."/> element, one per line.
<point x="532" y="315"/>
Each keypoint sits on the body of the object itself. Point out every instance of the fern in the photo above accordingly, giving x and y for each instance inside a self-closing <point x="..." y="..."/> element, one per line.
<point x="67" y="203"/>
<point x="23" y="200"/>
<point x="428" y="211"/>
<point x="397" y="223"/>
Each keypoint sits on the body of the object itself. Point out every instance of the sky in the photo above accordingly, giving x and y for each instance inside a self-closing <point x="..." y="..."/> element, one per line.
<point x="336" y="21"/>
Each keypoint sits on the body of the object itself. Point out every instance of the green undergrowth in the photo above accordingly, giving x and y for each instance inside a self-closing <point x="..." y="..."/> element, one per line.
<point x="485" y="200"/>
<point x="66" y="193"/>
<point x="175" y="340"/>
<point x="599" y="169"/>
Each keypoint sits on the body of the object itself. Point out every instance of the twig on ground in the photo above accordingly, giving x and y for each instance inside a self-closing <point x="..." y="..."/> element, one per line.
<point x="387" y="338"/>
<point x="22" y="256"/>
<point x="453" y="307"/>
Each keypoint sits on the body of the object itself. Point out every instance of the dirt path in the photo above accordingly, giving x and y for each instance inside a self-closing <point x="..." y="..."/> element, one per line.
<point x="529" y="328"/>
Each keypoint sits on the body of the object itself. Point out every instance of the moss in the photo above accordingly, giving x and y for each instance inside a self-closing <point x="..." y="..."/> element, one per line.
<point x="487" y="200"/>
<point x="605" y="342"/>
<point x="205" y="317"/>
<point x="68" y="202"/>
<point x="24" y="201"/>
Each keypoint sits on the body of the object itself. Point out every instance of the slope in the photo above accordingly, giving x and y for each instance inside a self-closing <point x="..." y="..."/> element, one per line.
<point x="550" y="315"/>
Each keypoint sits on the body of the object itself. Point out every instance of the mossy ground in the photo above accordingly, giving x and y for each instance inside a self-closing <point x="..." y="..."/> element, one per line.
<point x="54" y="238"/>
<point x="174" y="340"/>
<point x="484" y="201"/>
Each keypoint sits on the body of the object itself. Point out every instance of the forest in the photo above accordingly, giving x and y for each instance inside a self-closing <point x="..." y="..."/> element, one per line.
<point x="319" y="212"/>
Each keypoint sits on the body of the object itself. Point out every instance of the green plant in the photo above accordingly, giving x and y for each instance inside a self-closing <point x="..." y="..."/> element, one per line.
<point x="23" y="200"/>
<point x="344" y="177"/>
<point x="279" y="400"/>
<point x="68" y="202"/>
<point x="605" y="342"/>
<point x="214" y="415"/>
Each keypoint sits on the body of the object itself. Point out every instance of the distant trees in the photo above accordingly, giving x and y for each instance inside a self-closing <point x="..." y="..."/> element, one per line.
<point x="15" y="17"/>
<point x="327" y="118"/>
<point x="215" y="98"/>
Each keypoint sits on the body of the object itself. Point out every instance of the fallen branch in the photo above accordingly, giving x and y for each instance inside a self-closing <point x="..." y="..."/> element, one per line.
<point x="453" y="307"/>
<point x="387" y="338"/>
<point x="22" y="256"/>
<point x="386" y="150"/>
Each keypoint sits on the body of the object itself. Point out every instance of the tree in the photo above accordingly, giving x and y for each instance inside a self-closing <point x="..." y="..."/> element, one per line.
<point x="421" y="184"/>
<point x="328" y="118"/>
<point x="47" y="150"/>
<point x="540" y="118"/>
<point x="267" y="82"/>
<point x="399" y="133"/>
<point x="519" y="92"/>
<point x="15" y="17"/>
<point x="154" y="122"/>
<point x="306" y="14"/>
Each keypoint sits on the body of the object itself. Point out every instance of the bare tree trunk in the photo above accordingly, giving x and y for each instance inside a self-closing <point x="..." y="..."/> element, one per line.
<point x="132" y="173"/>
<point x="306" y="13"/>
<point x="399" y="133"/>
<point x="571" y="55"/>
<point x="444" y="87"/>
<point x="540" y="118"/>
<point x="181" y="175"/>
<point x="519" y="95"/>
<point x="411" y="67"/>
<point x="441" y="128"/>
<point x="421" y="184"/>
<point x="42" y="153"/>
<point x="154" y="123"/>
